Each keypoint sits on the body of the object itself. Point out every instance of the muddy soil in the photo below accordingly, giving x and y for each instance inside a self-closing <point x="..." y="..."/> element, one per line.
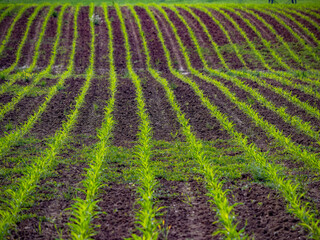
<point x="219" y="37"/>
<point x="46" y="47"/>
<point x="119" y="51"/>
<point x="28" y="49"/>
<point x="82" y="56"/>
<point x="65" y="42"/>
<point x="101" y="61"/>
<point x="57" y="109"/>
<point x="8" y="55"/>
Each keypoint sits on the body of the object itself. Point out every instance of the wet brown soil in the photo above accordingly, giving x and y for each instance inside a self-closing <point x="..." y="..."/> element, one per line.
<point x="186" y="39"/>
<point x="163" y="120"/>
<point x="4" y="25"/>
<point x="46" y="47"/>
<point x="162" y="117"/>
<point x="27" y="52"/>
<point x="5" y="98"/>
<point x="204" y="42"/>
<point x="298" y="30"/>
<point x="101" y="61"/>
<point x="119" y="51"/>
<point x="65" y="43"/>
<point x="242" y="122"/>
<point x="280" y="29"/>
<point x="125" y="114"/>
<point x="218" y="37"/>
<point x="205" y="126"/>
<point x="263" y="212"/>
<point x="158" y="60"/>
<point x="270" y="116"/>
<point x="137" y="52"/>
<point x="82" y="56"/>
<point x="49" y="215"/>
<point x="117" y="221"/>
<point x="187" y="210"/>
<point x="280" y="101"/>
<point x="57" y="109"/>
<point x="21" y="112"/>
<point x="177" y="59"/>
<point x="8" y="55"/>
<point x="92" y="113"/>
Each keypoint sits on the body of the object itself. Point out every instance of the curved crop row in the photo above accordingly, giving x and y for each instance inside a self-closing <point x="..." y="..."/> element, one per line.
<point x="85" y="210"/>
<point x="7" y="37"/>
<point x="11" y="138"/>
<point x="6" y="12"/>
<point x="29" y="181"/>
<point x="217" y="195"/>
<point x="286" y="187"/>
<point x="305" y="29"/>
<point x="301" y="41"/>
<point x="18" y="54"/>
<point x="146" y="217"/>
<point x="270" y="129"/>
<point x="307" y="89"/>
<point x="9" y="106"/>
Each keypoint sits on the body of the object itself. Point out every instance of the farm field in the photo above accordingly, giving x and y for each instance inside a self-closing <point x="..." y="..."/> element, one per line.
<point x="192" y="121"/>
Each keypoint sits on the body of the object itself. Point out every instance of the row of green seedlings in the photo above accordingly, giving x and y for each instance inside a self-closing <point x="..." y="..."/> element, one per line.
<point x="10" y="106"/>
<point x="302" y="42"/>
<point x="18" y="195"/>
<point x="6" y="12"/>
<point x="27" y="74"/>
<point x="24" y="38"/>
<point x="287" y="95"/>
<point x="285" y="81"/>
<point x="13" y="137"/>
<point x="9" y="32"/>
<point x="251" y="45"/>
<point x="271" y="171"/>
<point x="270" y="129"/>
<point x="275" y="74"/>
<point x="84" y="211"/>
<point x="295" y="121"/>
<point x="304" y="28"/>
<point x="224" y="210"/>
<point x="305" y="17"/>
<point x="149" y="226"/>
<point x="279" y="38"/>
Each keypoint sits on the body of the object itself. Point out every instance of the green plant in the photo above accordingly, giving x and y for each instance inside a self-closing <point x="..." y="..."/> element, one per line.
<point x="55" y="14"/>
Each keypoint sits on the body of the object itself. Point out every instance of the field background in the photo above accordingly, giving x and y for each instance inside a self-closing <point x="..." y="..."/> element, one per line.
<point x="159" y="121"/>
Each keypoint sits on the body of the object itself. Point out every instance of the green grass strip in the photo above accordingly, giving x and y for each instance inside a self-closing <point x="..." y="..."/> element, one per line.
<point x="300" y="40"/>
<point x="146" y="216"/>
<point x="18" y="196"/>
<point x="217" y="195"/>
<point x="271" y="171"/>
<point x="303" y="155"/>
<point x="13" y="137"/>
<point x="18" y="16"/>
<point x="13" y="78"/>
<point x="18" y="54"/>
<point x="85" y="210"/>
